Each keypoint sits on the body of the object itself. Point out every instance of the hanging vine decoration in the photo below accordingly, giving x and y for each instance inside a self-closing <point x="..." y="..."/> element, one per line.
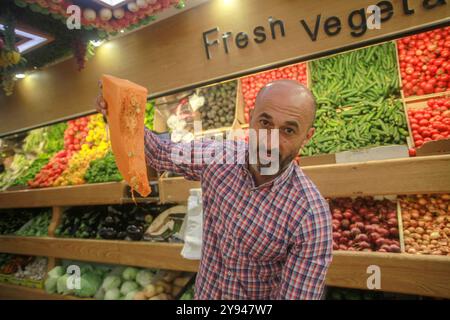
<point x="10" y="59"/>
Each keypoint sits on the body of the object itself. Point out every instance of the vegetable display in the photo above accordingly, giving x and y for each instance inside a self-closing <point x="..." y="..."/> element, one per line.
<point x="74" y="134"/>
<point x="94" y="146"/>
<point x="424" y="62"/>
<point x="431" y="123"/>
<point x="358" y="101"/>
<point x="126" y="222"/>
<point x="426" y="223"/>
<point x="35" y="270"/>
<point x="35" y="167"/>
<point x="366" y="124"/>
<point x="252" y="84"/>
<point x="149" y="114"/>
<point x="19" y="167"/>
<point x="103" y="170"/>
<point x="219" y="105"/>
<point x="358" y="76"/>
<point x="14" y="263"/>
<point x="365" y="224"/>
<point x="12" y="220"/>
<point x="106" y="282"/>
<point x="37" y="226"/>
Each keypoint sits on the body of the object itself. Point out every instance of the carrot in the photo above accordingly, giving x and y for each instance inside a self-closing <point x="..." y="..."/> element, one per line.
<point x="126" y="111"/>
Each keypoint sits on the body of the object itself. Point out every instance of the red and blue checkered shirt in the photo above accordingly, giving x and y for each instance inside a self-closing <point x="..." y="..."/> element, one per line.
<point x="273" y="241"/>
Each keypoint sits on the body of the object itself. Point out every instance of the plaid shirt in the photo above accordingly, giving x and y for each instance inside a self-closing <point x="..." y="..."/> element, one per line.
<point x="273" y="241"/>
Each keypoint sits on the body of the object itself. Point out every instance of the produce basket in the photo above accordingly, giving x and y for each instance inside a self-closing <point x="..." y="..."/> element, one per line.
<point x="434" y="147"/>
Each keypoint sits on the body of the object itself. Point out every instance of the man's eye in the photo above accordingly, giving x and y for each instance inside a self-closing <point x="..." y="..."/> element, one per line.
<point x="289" y="131"/>
<point x="264" y="122"/>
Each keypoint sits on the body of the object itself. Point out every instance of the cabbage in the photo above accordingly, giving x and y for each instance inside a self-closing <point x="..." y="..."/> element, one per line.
<point x="128" y="286"/>
<point x="129" y="273"/>
<point x="144" y="277"/>
<point x="112" y="294"/>
<point x="56" y="272"/>
<point x="61" y="285"/>
<point x="89" y="284"/>
<point x="130" y="295"/>
<point x="111" y="282"/>
<point x="100" y="294"/>
<point x="50" y="284"/>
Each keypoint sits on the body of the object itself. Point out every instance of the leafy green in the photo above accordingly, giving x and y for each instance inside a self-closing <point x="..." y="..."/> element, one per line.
<point x="33" y="170"/>
<point x="89" y="285"/>
<point x="55" y="138"/>
<point x="149" y="114"/>
<point x="103" y="170"/>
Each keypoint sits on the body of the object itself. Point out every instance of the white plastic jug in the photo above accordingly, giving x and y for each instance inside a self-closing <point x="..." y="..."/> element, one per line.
<point x="194" y="226"/>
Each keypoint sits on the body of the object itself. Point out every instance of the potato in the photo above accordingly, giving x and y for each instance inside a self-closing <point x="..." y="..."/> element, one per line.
<point x="150" y="291"/>
<point x="140" y="296"/>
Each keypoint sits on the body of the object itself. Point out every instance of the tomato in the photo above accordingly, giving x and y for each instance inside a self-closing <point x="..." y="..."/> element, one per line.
<point x="418" y="143"/>
<point x="425" y="133"/>
<point x="412" y="152"/>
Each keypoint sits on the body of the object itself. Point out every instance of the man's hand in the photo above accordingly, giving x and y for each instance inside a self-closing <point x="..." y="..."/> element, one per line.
<point x="101" y="104"/>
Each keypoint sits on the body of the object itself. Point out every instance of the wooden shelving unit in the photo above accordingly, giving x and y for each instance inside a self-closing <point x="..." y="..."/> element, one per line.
<point x="400" y="272"/>
<point x="403" y="273"/>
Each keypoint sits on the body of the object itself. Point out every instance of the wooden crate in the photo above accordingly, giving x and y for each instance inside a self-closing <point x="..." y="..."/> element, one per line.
<point x="159" y="121"/>
<point x="175" y="189"/>
<point x="430" y="147"/>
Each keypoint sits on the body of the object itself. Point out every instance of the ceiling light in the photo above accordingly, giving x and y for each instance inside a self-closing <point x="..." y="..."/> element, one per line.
<point x="20" y="75"/>
<point x="31" y="40"/>
<point x="96" y="43"/>
<point x="122" y="31"/>
<point x="111" y="3"/>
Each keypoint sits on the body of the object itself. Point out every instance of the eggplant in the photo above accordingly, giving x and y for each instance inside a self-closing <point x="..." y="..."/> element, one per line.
<point x="109" y="221"/>
<point x="108" y="233"/>
<point x="121" y="235"/>
<point x="135" y="232"/>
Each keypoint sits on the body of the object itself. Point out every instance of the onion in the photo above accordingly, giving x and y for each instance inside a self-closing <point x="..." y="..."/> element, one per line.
<point x="362" y="237"/>
<point x="434" y="235"/>
<point x="345" y="224"/>
<point x="338" y="216"/>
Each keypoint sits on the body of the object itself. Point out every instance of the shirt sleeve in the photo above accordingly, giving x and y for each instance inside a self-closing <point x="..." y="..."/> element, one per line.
<point x="303" y="275"/>
<point x="181" y="158"/>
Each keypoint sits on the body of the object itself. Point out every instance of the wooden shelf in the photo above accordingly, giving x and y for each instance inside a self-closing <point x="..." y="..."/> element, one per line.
<point x="85" y="194"/>
<point x="400" y="272"/>
<point x="132" y="253"/>
<point x="417" y="175"/>
<point x="15" y="292"/>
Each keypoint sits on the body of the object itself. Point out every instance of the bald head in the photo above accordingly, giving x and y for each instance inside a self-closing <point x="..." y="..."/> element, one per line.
<point x="294" y="97"/>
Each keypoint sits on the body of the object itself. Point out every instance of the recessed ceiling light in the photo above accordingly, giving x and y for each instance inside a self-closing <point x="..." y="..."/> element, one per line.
<point x="112" y="3"/>
<point x="31" y="41"/>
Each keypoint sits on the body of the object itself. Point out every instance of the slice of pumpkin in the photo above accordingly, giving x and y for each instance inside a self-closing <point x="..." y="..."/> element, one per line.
<point x="126" y="111"/>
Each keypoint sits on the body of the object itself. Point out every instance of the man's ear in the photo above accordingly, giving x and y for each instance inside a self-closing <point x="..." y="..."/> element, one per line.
<point x="309" y="135"/>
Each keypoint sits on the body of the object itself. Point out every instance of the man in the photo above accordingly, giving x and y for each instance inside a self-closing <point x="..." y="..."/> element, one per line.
<point x="266" y="236"/>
